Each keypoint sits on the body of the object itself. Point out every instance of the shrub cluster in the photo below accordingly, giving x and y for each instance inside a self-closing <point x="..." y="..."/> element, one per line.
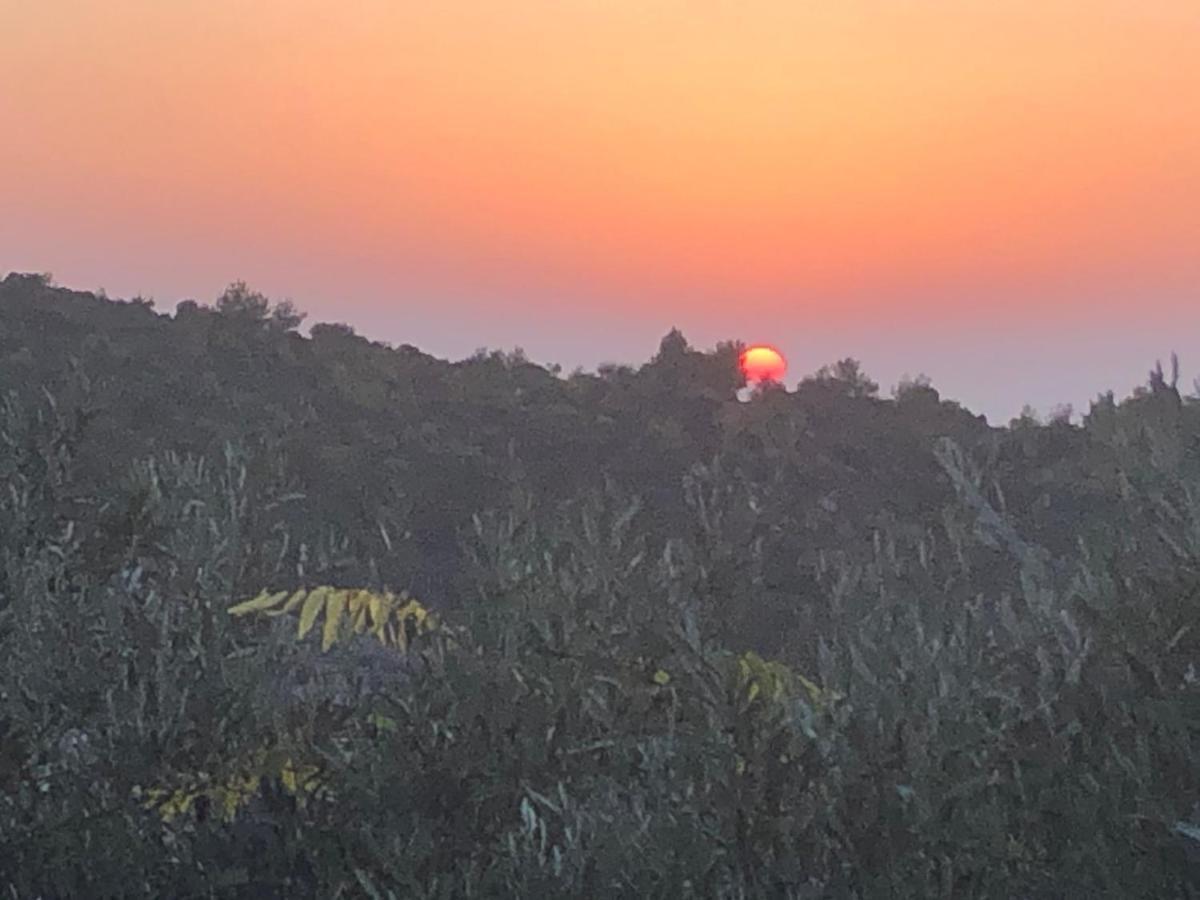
<point x="785" y="664"/>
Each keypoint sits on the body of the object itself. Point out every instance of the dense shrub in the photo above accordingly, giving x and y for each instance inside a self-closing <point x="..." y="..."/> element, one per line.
<point x="745" y="653"/>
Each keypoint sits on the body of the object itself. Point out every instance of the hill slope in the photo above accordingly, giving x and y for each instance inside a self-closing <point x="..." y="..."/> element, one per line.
<point x="819" y="643"/>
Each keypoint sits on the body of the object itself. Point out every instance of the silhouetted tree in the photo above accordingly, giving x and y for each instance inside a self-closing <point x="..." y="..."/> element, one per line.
<point x="240" y="303"/>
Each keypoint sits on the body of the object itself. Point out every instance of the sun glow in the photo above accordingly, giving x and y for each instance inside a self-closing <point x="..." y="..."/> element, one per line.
<point x="761" y="363"/>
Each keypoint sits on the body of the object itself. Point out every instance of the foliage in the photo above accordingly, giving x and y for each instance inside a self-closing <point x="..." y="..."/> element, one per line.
<point x="233" y="791"/>
<point x="816" y="644"/>
<point x="388" y="617"/>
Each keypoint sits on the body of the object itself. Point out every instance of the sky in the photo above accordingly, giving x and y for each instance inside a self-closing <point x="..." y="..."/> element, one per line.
<point x="1001" y="194"/>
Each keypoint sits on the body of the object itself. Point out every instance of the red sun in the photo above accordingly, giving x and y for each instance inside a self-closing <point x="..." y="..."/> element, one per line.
<point x="761" y="362"/>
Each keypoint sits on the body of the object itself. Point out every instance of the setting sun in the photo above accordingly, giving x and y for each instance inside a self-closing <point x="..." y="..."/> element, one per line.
<point x="763" y="363"/>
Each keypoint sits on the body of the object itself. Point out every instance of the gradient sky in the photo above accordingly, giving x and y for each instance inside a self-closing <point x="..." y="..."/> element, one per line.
<point x="1004" y="194"/>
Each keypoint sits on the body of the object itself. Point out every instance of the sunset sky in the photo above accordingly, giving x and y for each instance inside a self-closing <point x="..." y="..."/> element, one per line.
<point x="1004" y="194"/>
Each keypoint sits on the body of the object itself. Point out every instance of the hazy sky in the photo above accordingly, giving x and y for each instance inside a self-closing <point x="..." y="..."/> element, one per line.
<point x="1004" y="194"/>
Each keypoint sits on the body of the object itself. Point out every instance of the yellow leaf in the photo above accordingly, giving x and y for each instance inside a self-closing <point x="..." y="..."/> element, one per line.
<point x="661" y="678"/>
<point x="358" y="607"/>
<point x="229" y="802"/>
<point x="265" y="600"/>
<point x="333" y="617"/>
<point x="816" y="696"/>
<point x="776" y="691"/>
<point x="379" y="613"/>
<point x="382" y="722"/>
<point x="292" y="603"/>
<point x="312" y="607"/>
<point x="175" y="805"/>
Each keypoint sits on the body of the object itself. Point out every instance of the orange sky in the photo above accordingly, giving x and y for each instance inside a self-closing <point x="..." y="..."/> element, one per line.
<point x="780" y="167"/>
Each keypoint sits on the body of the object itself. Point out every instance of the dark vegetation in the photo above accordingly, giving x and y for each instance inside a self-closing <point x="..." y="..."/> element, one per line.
<point x="817" y="644"/>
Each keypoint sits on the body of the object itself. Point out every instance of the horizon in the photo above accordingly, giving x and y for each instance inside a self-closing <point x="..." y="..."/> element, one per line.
<point x="1001" y="197"/>
<point x="794" y="376"/>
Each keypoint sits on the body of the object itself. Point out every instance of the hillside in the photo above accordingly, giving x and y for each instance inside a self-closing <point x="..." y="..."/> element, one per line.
<point x="665" y="642"/>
